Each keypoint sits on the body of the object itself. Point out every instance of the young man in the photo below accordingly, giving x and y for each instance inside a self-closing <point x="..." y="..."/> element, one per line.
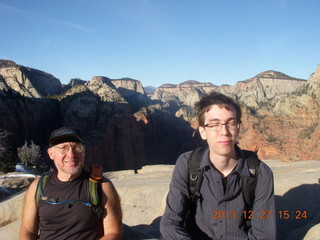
<point x="221" y="209"/>
<point x="68" y="185"/>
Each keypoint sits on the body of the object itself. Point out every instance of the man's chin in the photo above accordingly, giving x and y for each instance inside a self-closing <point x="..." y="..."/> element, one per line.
<point x="73" y="171"/>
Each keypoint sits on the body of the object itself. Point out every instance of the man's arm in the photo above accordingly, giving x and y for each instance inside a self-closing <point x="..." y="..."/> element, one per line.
<point x="112" y="220"/>
<point x="172" y="221"/>
<point x="29" y="225"/>
<point x="264" y="221"/>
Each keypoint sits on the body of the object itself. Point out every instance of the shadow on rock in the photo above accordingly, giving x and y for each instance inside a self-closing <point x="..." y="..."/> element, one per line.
<point x="143" y="231"/>
<point x="297" y="211"/>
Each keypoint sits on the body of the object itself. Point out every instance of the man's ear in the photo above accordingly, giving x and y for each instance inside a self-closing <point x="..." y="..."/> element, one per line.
<point x="50" y="153"/>
<point x="203" y="133"/>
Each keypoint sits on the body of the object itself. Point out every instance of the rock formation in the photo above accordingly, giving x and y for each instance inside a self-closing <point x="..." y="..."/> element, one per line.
<point x="262" y="88"/>
<point x="286" y="124"/>
<point x="126" y="129"/>
<point x="314" y="83"/>
<point x="186" y="93"/>
<point x="27" y="81"/>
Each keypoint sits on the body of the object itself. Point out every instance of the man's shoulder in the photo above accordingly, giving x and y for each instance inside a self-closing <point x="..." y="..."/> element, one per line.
<point x="184" y="157"/>
<point x="265" y="168"/>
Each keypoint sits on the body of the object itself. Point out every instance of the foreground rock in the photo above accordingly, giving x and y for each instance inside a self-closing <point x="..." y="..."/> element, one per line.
<point x="143" y="201"/>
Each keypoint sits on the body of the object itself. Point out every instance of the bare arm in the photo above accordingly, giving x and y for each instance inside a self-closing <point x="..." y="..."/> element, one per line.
<point x="29" y="225"/>
<point x="112" y="220"/>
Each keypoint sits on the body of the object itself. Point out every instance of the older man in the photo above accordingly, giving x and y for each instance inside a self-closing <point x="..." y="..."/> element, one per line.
<point x="65" y="210"/>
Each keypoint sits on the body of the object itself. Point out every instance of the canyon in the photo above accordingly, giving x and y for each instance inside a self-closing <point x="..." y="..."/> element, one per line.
<point x="126" y="128"/>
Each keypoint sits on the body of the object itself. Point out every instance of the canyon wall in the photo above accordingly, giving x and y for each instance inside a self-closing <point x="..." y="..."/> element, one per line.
<point x="125" y="128"/>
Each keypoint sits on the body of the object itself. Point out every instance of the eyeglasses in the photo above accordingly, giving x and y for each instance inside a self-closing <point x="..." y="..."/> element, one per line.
<point x="76" y="148"/>
<point x="217" y="126"/>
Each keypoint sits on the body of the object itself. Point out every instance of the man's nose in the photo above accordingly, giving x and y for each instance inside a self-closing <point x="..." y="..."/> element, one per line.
<point x="71" y="151"/>
<point x="224" y="128"/>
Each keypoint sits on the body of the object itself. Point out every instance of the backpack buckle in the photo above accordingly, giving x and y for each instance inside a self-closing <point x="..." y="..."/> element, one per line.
<point x="193" y="176"/>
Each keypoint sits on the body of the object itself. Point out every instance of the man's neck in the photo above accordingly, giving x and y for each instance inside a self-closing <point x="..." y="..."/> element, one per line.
<point x="64" y="177"/>
<point x="224" y="164"/>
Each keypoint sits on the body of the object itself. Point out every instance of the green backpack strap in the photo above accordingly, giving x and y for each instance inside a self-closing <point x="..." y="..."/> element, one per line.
<point x="94" y="187"/>
<point x="39" y="192"/>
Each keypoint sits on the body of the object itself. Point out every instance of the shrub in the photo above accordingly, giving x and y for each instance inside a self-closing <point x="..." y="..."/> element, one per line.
<point x="30" y="155"/>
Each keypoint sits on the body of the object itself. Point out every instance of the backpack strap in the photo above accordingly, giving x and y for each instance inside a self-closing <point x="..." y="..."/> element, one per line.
<point x="195" y="177"/>
<point x="41" y="183"/>
<point x="94" y="188"/>
<point x="249" y="183"/>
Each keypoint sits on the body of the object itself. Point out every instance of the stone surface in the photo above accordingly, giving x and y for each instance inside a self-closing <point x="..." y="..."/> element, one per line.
<point x="313" y="233"/>
<point x="143" y="197"/>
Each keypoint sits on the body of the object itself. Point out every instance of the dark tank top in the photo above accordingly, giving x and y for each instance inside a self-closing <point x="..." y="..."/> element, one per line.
<point x="73" y="221"/>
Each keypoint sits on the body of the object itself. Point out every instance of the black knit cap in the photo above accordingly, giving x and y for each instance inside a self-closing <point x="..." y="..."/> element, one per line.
<point x="65" y="134"/>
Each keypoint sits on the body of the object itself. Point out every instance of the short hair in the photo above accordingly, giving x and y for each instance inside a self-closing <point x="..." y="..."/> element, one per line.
<point x="214" y="98"/>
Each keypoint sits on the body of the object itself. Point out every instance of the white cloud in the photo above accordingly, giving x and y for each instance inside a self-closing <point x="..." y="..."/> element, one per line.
<point x="60" y="22"/>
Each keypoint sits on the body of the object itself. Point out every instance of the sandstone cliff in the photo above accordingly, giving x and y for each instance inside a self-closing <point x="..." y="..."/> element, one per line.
<point x="125" y="129"/>
<point x="186" y="93"/>
<point x="104" y="117"/>
<point x="280" y="112"/>
<point x="285" y="124"/>
<point x="314" y="83"/>
<point x="27" y="81"/>
<point x="263" y="87"/>
<point x="129" y="84"/>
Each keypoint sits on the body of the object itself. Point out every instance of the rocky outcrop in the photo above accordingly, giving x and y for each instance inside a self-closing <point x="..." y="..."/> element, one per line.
<point x="104" y="88"/>
<point x="73" y="82"/>
<point x="133" y="91"/>
<point x="314" y="83"/>
<point x="143" y="199"/>
<point x="130" y="129"/>
<point x="284" y="125"/>
<point x="260" y="89"/>
<point x="271" y="102"/>
<point x="28" y="118"/>
<point x="113" y="137"/>
<point x="186" y="93"/>
<point x="26" y="81"/>
<point x="129" y="84"/>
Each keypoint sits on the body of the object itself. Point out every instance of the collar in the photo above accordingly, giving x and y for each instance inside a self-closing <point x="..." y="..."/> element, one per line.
<point x="241" y="167"/>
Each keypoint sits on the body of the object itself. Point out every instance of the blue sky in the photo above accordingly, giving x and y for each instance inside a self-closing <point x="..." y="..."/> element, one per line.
<point x="162" y="41"/>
